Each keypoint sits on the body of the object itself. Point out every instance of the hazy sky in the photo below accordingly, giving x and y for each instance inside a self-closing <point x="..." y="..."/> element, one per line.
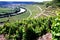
<point x="26" y="0"/>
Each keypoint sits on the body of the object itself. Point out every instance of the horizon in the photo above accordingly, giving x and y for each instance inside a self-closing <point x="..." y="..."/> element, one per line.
<point x="24" y="0"/>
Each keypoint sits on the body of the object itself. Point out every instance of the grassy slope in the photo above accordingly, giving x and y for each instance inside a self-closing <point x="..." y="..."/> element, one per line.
<point x="32" y="8"/>
<point x="5" y="10"/>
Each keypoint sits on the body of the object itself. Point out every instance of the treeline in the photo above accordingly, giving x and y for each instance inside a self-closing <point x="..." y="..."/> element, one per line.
<point x="53" y="3"/>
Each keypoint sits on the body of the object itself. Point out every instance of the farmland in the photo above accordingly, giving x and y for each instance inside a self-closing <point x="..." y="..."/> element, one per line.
<point x="32" y="10"/>
<point x="5" y="10"/>
<point x="39" y="21"/>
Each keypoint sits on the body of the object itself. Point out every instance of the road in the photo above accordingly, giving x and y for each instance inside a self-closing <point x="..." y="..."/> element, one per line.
<point x="29" y="12"/>
<point x="40" y="12"/>
<point x="43" y="12"/>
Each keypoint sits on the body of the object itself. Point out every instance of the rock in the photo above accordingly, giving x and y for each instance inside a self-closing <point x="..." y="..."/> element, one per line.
<point x="2" y="37"/>
<point x="47" y="36"/>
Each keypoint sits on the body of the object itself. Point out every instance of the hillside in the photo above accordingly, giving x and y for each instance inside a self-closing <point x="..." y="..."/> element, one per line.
<point x="29" y="20"/>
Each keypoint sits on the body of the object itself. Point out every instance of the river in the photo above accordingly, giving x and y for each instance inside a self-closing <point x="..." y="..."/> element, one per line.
<point x="22" y="10"/>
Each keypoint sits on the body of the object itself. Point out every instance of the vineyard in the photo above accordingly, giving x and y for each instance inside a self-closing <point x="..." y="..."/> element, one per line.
<point x="25" y="29"/>
<point x="40" y="21"/>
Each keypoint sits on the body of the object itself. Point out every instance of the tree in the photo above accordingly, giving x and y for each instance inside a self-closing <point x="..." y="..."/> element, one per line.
<point x="17" y="9"/>
<point x="56" y="2"/>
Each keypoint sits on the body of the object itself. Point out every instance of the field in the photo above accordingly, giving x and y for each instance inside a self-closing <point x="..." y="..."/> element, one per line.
<point x="5" y="10"/>
<point x="32" y="10"/>
<point x="40" y="21"/>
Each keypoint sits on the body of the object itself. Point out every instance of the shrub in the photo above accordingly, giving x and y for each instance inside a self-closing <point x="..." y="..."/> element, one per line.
<point x="28" y="29"/>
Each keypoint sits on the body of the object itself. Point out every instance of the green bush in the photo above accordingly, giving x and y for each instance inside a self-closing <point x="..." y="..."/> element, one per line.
<point x="56" y="26"/>
<point x="28" y="29"/>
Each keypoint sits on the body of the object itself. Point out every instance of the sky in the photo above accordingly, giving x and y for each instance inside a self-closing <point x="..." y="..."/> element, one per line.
<point x="27" y="0"/>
